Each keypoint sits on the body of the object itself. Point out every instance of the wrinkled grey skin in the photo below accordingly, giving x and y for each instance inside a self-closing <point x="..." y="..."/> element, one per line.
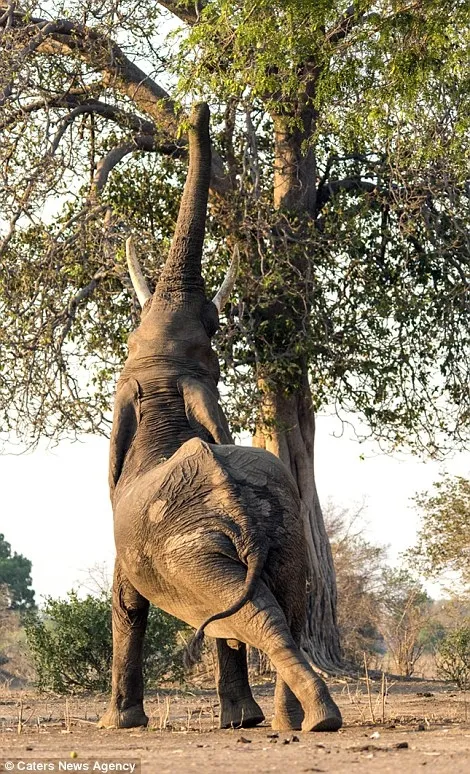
<point x="202" y="527"/>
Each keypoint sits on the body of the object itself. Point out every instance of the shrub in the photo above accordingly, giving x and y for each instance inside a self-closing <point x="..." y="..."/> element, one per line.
<point x="358" y="568"/>
<point x="453" y="657"/>
<point x="15" y="578"/>
<point x="71" y="644"/>
<point x="406" y="622"/>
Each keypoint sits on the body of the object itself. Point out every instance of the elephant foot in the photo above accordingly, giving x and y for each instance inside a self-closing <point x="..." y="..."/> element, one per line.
<point x="244" y="713"/>
<point x="325" y="716"/>
<point x="127" y="718"/>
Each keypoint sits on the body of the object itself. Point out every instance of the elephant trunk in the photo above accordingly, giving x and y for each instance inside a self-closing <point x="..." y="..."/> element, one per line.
<point x="182" y="270"/>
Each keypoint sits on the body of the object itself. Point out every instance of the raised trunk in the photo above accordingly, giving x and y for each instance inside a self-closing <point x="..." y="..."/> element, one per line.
<point x="288" y="425"/>
<point x="182" y="270"/>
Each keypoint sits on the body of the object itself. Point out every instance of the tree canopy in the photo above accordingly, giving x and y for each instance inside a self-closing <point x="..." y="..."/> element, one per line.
<point x="340" y="168"/>
<point x="15" y="578"/>
<point x="443" y="543"/>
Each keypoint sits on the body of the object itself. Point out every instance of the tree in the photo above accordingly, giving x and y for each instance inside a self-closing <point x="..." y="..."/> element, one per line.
<point x="443" y="543"/>
<point x="14" y="658"/>
<point x="340" y="169"/>
<point x="15" y="578"/>
<point x="358" y="569"/>
<point x="405" y="618"/>
<point x="453" y="656"/>
<point x="71" y="644"/>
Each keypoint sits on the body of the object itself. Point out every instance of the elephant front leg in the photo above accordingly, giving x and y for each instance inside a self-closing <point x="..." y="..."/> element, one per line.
<point x="238" y="708"/>
<point x="129" y="616"/>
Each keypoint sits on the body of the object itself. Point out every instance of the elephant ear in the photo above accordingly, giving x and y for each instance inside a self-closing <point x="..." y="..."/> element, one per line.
<point x="126" y="419"/>
<point x="203" y="410"/>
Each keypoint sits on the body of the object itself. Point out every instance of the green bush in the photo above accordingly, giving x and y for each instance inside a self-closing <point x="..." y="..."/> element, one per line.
<point x="453" y="657"/>
<point x="71" y="644"/>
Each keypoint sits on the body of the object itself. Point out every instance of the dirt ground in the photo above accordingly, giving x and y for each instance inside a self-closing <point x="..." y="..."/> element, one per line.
<point x="421" y="725"/>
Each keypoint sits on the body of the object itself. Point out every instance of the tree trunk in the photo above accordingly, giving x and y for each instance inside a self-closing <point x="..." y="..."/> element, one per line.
<point x="287" y="427"/>
<point x="289" y="432"/>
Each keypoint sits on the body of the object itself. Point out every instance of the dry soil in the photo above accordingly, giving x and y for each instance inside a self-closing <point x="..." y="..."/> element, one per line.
<point x="422" y="727"/>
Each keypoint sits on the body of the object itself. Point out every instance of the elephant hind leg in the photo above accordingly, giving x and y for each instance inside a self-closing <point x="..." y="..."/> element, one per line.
<point x="129" y="616"/>
<point x="320" y="712"/>
<point x="238" y="709"/>
<point x="262" y="624"/>
<point x="288" y="712"/>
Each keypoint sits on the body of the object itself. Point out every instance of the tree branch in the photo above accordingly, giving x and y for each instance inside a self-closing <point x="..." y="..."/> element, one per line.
<point x="140" y="142"/>
<point x="344" y="25"/>
<point x="353" y="16"/>
<point x="121" y="117"/>
<point x="105" y="56"/>
<point x="368" y="159"/>
<point x="352" y="184"/>
<point x="32" y="46"/>
<point x="145" y="131"/>
<point x="188" y="12"/>
<point x="101" y="53"/>
<point x="107" y="164"/>
<point x="73" y="304"/>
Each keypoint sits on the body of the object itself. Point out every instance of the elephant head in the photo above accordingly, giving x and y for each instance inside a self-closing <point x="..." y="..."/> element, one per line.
<point x="167" y="392"/>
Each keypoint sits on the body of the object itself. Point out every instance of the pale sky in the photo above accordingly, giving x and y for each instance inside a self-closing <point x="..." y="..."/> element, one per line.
<point x="56" y="509"/>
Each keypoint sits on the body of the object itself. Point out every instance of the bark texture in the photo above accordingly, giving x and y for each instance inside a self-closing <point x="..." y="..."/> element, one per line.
<point x="290" y="435"/>
<point x="288" y="425"/>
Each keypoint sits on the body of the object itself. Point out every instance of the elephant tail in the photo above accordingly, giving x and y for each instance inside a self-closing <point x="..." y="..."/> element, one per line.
<point x="255" y="564"/>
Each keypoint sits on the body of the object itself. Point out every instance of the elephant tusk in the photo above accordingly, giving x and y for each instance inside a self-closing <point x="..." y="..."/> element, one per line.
<point x="223" y="294"/>
<point x="138" y="280"/>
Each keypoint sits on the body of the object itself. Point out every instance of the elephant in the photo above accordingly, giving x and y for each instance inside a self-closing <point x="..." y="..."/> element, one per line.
<point x="208" y="531"/>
